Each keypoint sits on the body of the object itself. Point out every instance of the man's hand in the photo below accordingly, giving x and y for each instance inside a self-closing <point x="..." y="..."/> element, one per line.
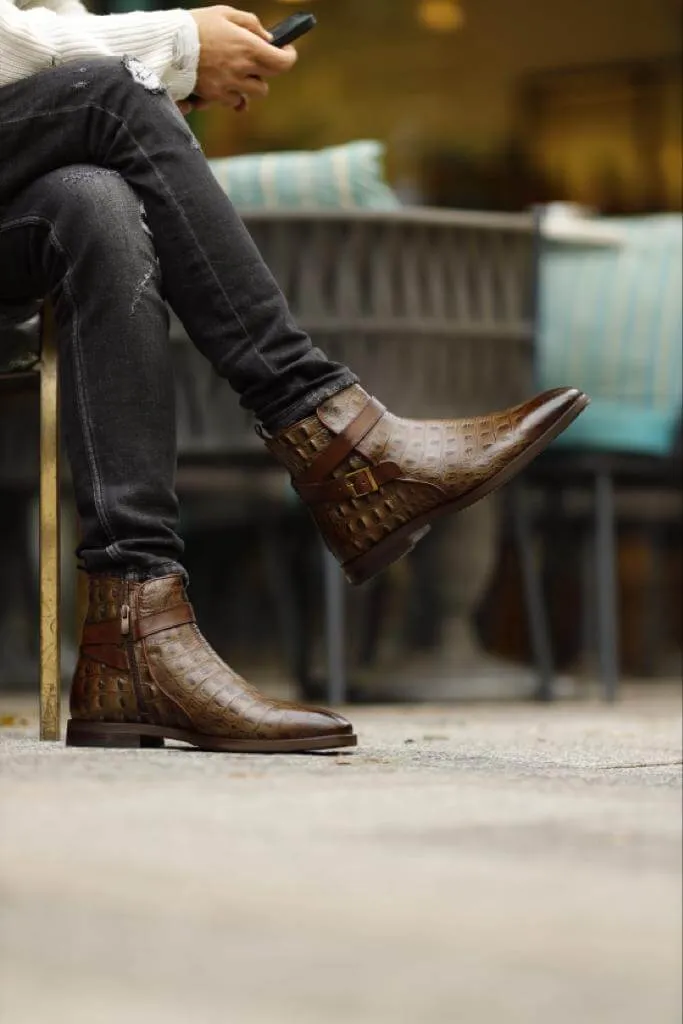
<point x="187" y="106"/>
<point x="235" y="56"/>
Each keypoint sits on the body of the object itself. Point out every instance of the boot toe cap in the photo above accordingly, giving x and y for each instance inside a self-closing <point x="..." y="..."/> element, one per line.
<point x="549" y="408"/>
<point x="310" y="722"/>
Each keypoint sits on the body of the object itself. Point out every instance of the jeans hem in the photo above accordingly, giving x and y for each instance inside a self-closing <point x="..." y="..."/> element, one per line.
<point x="308" y="405"/>
<point x="138" y="574"/>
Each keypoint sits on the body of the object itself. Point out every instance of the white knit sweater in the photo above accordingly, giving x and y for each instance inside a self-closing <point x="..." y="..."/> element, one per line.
<point x="37" y="34"/>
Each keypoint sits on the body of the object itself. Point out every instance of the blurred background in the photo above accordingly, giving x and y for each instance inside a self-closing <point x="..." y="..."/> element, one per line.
<point x="465" y="200"/>
<point x="483" y="104"/>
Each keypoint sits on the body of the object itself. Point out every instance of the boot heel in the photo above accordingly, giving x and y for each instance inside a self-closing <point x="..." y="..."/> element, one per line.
<point x="105" y="734"/>
<point x="388" y="551"/>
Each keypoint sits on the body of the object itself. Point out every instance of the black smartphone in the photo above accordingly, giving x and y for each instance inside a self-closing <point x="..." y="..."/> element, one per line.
<point x="292" y="28"/>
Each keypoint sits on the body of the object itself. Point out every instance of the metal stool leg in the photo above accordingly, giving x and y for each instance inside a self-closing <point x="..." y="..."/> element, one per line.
<point x="283" y="592"/>
<point x="533" y="595"/>
<point x="335" y="625"/>
<point x="654" y="610"/>
<point x="50" y="667"/>
<point x="606" y="584"/>
<point x="589" y="643"/>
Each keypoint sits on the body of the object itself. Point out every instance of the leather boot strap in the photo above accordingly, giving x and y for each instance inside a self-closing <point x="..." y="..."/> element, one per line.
<point x="343" y="444"/>
<point x="146" y="625"/>
<point x="314" y="485"/>
<point x="111" y="632"/>
<point x="353" y="485"/>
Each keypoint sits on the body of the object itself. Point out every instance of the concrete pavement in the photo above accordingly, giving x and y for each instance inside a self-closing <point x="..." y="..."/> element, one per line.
<point x="475" y="864"/>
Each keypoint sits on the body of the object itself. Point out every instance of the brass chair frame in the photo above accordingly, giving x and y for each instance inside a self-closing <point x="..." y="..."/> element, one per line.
<point x="49" y="527"/>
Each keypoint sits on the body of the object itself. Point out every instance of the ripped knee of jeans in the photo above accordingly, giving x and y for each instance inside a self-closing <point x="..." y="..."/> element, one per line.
<point x="150" y="81"/>
<point x="86" y="172"/>
<point x="143" y="75"/>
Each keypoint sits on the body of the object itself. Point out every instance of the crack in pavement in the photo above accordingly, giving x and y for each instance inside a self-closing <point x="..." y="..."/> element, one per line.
<point x="648" y="764"/>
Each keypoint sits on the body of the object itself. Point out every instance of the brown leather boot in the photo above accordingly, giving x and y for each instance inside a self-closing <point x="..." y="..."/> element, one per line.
<point x="376" y="482"/>
<point x="145" y="674"/>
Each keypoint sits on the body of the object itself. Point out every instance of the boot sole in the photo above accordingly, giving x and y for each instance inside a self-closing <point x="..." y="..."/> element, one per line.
<point x="400" y="543"/>
<point x="114" y="734"/>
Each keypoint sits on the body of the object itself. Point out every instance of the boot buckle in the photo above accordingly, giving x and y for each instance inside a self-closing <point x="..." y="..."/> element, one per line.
<point x="361" y="482"/>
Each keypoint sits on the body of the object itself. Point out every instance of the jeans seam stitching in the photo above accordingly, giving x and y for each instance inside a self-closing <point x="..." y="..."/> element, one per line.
<point x="82" y="405"/>
<point x="81" y="397"/>
<point x="114" y="551"/>
<point x="169" y="191"/>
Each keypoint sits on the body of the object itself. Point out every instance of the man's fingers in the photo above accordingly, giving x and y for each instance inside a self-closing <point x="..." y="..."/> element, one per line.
<point x="249" y="21"/>
<point x="255" y="86"/>
<point x="270" y="60"/>
<point x="234" y="100"/>
<point x="238" y="102"/>
<point x="286" y="59"/>
<point x="187" y="106"/>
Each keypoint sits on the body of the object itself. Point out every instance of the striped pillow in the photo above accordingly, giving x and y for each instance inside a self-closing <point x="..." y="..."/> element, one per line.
<point x="346" y="177"/>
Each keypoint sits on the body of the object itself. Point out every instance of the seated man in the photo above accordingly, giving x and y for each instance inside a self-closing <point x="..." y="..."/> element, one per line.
<point x="108" y="207"/>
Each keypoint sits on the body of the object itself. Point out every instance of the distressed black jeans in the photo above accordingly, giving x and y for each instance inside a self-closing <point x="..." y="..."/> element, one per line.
<point x="108" y="206"/>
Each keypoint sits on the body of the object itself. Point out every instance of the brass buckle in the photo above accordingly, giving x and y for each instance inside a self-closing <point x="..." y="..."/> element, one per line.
<point x="361" y="482"/>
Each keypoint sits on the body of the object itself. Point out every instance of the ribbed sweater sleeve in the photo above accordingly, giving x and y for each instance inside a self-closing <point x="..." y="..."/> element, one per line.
<point x="37" y="38"/>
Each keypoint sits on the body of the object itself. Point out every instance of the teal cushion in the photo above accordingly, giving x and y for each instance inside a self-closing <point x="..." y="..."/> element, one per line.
<point x="619" y="427"/>
<point x="347" y="177"/>
<point x="610" y="322"/>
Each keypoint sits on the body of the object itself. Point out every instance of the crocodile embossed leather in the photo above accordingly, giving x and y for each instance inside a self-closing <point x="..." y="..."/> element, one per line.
<point x="375" y="482"/>
<point x="145" y="674"/>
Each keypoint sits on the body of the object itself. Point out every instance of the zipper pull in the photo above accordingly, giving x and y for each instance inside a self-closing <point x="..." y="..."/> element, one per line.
<point x="125" y="620"/>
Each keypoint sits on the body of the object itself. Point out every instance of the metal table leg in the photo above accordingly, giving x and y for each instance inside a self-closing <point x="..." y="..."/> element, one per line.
<point x="606" y="584"/>
<point x="533" y="595"/>
<point x="335" y="624"/>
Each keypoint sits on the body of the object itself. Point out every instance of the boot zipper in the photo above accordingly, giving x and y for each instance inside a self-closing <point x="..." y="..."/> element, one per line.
<point x="130" y="648"/>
